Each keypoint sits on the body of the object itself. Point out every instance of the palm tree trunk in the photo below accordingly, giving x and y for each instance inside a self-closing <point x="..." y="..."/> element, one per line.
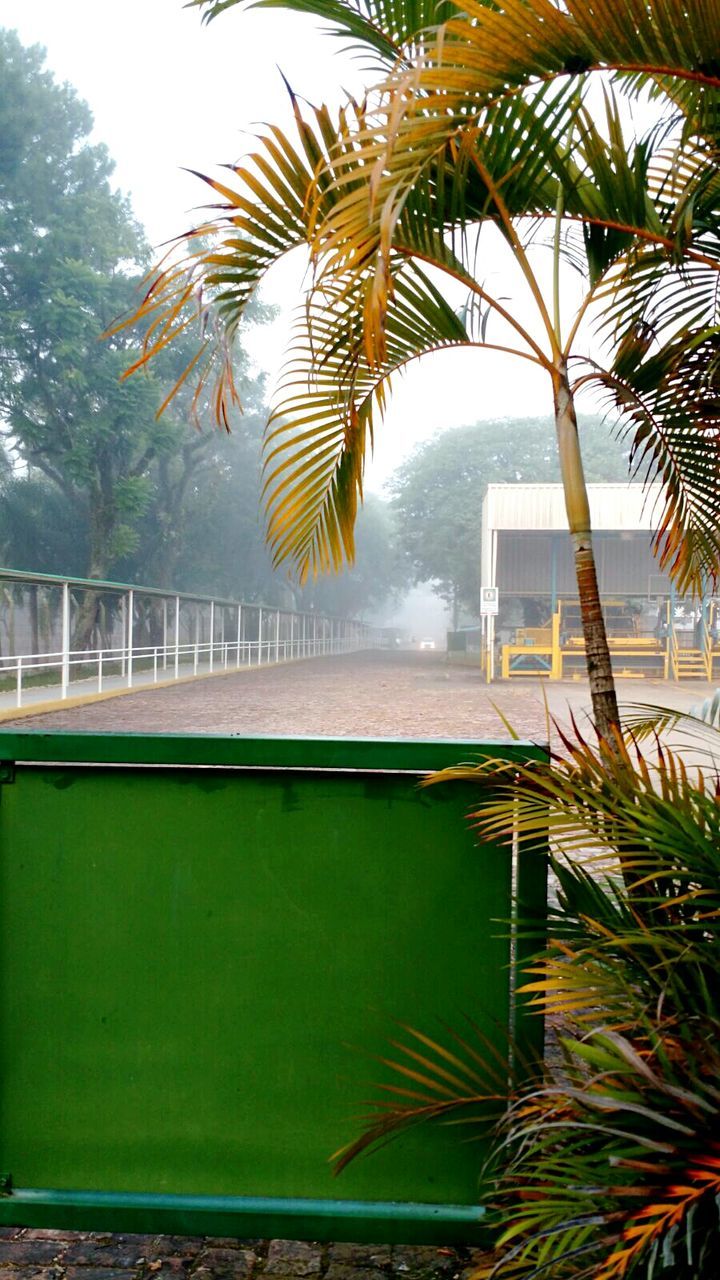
<point x="597" y="653"/>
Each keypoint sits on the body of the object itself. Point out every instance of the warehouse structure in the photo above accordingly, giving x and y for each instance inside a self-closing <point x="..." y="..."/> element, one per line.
<point x="527" y="555"/>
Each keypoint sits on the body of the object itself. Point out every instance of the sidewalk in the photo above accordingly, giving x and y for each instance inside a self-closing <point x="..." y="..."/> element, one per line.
<point x="68" y="1255"/>
<point x="49" y="696"/>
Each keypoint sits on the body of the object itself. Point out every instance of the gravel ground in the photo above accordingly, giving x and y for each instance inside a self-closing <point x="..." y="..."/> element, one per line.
<point x="416" y="695"/>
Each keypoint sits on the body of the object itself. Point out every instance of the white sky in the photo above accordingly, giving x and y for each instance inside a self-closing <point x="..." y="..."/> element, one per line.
<point x="168" y="92"/>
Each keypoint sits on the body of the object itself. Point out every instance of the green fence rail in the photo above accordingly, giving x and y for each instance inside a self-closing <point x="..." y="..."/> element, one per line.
<point x="205" y="945"/>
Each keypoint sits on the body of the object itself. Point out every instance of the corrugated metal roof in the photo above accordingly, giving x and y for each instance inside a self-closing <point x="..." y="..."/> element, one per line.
<point x="543" y="564"/>
<point x="541" y="507"/>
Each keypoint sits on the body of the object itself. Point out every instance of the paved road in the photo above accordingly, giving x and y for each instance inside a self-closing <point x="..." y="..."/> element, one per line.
<point x="370" y="694"/>
<point x="400" y="694"/>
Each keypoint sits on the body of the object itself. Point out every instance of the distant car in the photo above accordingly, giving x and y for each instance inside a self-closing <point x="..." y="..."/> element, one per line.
<point x="427" y="644"/>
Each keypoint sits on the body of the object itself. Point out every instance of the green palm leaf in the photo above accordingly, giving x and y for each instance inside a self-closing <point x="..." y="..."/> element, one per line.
<point x="326" y="407"/>
<point x="385" y="26"/>
<point x="263" y="214"/>
<point x="670" y="401"/>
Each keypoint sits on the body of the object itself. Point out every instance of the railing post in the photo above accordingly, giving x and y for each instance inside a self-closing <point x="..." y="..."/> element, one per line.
<point x="130" y="611"/>
<point x="123" y="631"/>
<point x="281" y="635"/>
<point x="65" y="645"/>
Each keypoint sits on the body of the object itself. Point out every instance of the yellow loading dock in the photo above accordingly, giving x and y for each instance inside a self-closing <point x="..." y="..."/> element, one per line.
<point x="527" y="555"/>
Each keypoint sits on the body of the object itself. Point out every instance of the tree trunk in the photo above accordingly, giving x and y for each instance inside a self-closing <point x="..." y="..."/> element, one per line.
<point x="597" y="653"/>
<point x="87" y="619"/>
<point x="102" y="526"/>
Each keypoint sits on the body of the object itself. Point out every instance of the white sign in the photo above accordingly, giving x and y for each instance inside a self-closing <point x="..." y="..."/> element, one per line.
<point x="488" y="601"/>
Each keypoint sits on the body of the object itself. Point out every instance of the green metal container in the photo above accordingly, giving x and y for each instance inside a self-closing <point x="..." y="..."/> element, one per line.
<point x="206" y="944"/>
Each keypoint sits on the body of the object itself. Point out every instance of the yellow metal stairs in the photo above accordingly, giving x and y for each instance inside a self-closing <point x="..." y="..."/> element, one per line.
<point x="689" y="664"/>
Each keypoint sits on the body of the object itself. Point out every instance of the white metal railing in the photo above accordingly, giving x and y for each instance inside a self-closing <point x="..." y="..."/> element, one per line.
<point x="179" y="660"/>
<point x="260" y="635"/>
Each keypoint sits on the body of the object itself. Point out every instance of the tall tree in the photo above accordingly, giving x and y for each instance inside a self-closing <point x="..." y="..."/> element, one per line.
<point x="484" y="123"/>
<point x="68" y="251"/>
<point x="71" y="256"/>
<point x="437" y="492"/>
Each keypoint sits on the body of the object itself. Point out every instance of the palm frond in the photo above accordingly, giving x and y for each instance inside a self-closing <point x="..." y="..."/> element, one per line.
<point x="699" y="725"/>
<point x="526" y="38"/>
<point x="450" y="1077"/>
<point x="387" y="27"/>
<point x="670" y="403"/>
<point x="211" y="273"/>
<point x="624" y="811"/>
<point x="324" y="415"/>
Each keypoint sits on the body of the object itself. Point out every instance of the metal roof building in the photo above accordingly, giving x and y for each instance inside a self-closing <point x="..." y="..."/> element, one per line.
<point x="526" y="548"/>
<point x="527" y="558"/>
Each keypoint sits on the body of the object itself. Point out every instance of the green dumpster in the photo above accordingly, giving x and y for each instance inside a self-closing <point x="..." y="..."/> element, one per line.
<point x="205" y="945"/>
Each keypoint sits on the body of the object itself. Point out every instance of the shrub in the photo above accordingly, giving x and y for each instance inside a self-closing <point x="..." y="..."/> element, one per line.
<point x="606" y="1162"/>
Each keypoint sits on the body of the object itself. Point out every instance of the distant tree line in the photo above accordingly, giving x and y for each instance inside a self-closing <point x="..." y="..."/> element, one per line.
<point x="437" y="494"/>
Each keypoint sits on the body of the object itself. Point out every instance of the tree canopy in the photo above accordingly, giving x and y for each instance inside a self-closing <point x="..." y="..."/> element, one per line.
<point x="71" y="254"/>
<point x="95" y="483"/>
<point x="437" y="493"/>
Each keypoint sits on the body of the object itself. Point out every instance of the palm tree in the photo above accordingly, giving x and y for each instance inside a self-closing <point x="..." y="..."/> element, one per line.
<point x="480" y="128"/>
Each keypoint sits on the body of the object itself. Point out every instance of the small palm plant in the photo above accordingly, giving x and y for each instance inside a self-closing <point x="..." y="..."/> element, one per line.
<point x="606" y="1162"/>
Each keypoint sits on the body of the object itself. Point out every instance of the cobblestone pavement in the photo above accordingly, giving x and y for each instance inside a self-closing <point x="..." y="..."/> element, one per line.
<point x="401" y="694"/>
<point x="72" y="1255"/>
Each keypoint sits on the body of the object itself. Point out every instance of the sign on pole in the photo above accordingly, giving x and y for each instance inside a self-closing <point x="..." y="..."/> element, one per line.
<point x="488" y="602"/>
